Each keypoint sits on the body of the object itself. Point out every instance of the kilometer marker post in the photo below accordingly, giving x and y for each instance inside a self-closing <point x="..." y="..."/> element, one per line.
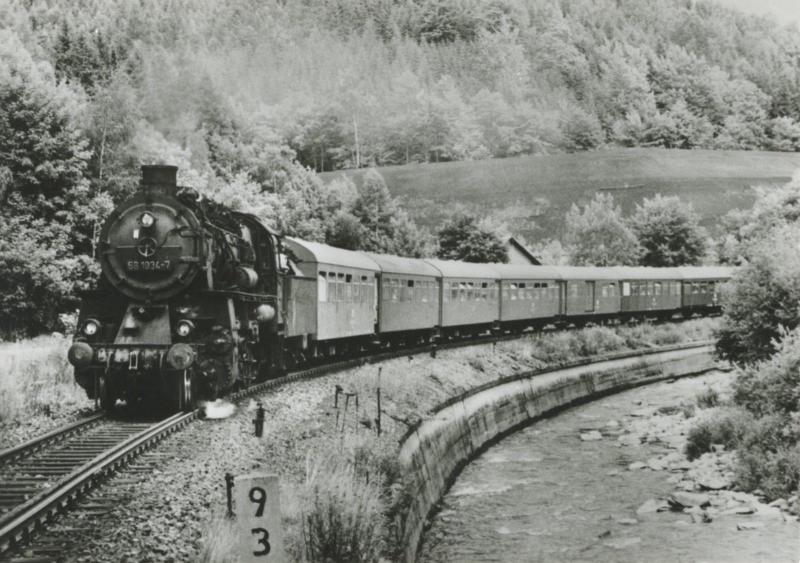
<point x="258" y="519"/>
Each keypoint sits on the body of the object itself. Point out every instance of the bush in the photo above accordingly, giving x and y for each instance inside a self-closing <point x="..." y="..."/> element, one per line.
<point x="707" y="398"/>
<point x="725" y="426"/>
<point x="769" y="457"/>
<point x="598" y="340"/>
<point x="774" y="385"/>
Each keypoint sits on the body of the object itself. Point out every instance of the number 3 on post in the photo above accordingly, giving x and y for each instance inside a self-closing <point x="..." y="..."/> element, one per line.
<point x="258" y="519"/>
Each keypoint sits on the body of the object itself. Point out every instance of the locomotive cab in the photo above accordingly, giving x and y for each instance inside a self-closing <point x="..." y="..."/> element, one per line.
<point x="187" y="306"/>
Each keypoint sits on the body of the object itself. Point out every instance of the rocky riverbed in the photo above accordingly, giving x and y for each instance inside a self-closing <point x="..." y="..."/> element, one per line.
<point x="608" y="481"/>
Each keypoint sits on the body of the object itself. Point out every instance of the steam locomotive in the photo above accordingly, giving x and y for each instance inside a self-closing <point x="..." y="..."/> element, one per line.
<point x="196" y="299"/>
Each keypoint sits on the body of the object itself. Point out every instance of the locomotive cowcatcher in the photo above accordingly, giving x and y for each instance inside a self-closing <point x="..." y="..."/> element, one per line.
<point x="188" y="303"/>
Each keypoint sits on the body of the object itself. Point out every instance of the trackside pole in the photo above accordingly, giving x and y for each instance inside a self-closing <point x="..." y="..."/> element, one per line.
<point x="378" y="391"/>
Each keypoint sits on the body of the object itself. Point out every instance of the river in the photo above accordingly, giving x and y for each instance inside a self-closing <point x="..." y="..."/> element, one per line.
<point x="544" y="494"/>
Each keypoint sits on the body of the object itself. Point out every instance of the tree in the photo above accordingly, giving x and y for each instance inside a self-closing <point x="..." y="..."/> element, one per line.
<point x="772" y="208"/>
<point x="668" y="232"/>
<point x="598" y="236"/>
<point x="581" y="130"/>
<point x="46" y="207"/>
<point x="463" y="238"/>
<point x="386" y="226"/>
<point x="763" y="299"/>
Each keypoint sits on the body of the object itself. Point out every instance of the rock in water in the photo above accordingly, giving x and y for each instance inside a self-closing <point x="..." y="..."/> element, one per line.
<point x="591" y="436"/>
<point x="623" y="542"/>
<point x="713" y="482"/>
<point x="749" y="526"/>
<point x="627" y="521"/>
<point x="682" y="499"/>
<point x="652" y="505"/>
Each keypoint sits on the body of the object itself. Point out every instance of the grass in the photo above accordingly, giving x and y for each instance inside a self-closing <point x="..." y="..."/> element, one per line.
<point x="36" y="380"/>
<point x="531" y="194"/>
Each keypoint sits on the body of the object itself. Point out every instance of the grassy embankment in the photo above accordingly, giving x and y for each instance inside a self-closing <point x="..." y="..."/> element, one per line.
<point x="37" y="388"/>
<point x="533" y="193"/>
<point x="350" y="504"/>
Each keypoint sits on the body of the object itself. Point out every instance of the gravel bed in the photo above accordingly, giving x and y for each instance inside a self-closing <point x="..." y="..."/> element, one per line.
<point x="15" y="432"/>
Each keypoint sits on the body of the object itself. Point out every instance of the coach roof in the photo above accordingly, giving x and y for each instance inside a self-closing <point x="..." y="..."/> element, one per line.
<point x="706" y="272"/>
<point x="453" y="269"/>
<point x="306" y="251"/>
<point x="647" y="273"/>
<point x="586" y="273"/>
<point x="527" y="272"/>
<point x="391" y="264"/>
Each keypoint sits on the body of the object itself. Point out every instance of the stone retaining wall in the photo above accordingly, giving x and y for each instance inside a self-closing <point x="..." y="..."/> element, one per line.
<point x="434" y="452"/>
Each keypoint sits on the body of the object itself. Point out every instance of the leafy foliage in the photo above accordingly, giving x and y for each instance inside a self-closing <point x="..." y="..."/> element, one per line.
<point x="668" y="231"/>
<point x="463" y="238"/>
<point x="763" y="298"/>
<point x="46" y="204"/>
<point x="598" y="236"/>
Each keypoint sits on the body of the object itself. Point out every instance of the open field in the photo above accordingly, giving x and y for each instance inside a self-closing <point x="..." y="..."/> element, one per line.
<point x="532" y="193"/>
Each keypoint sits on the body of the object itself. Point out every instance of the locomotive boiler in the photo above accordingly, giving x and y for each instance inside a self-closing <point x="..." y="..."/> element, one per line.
<point x="188" y="302"/>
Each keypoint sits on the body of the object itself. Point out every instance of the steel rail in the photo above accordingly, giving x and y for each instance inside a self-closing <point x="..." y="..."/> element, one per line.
<point x="36" y="444"/>
<point x="20" y="524"/>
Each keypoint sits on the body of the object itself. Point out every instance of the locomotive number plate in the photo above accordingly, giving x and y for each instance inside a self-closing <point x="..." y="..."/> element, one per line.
<point x="149" y="265"/>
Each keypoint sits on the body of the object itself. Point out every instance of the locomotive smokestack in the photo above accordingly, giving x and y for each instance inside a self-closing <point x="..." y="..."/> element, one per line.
<point x="159" y="179"/>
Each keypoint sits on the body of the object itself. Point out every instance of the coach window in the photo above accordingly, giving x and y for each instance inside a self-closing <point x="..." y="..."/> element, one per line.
<point x="348" y="288"/>
<point x="322" y="288"/>
<point x="513" y="291"/>
<point x="340" y="287"/>
<point x="332" y="287"/>
<point x="657" y="288"/>
<point x="626" y="289"/>
<point x="410" y="289"/>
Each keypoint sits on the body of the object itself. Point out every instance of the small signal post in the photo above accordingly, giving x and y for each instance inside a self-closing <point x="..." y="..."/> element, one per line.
<point x="258" y="519"/>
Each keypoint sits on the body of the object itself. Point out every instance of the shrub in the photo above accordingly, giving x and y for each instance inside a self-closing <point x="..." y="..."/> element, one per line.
<point x="769" y="457"/>
<point x="555" y="347"/>
<point x="722" y="426"/>
<point x="774" y="385"/>
<point x="707" y="398"/>
<point x="598" y="340"/>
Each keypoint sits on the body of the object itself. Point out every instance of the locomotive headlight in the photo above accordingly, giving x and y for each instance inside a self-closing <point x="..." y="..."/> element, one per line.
<point x="180" y="356"/>
<point x="184" y="328"/>
<point x="146" y="220"/>
<point x="80" y="354"/>
<point x="91" y="327"/>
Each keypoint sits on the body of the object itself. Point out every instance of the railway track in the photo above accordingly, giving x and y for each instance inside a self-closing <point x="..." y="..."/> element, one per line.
<point x="48" y="475"/>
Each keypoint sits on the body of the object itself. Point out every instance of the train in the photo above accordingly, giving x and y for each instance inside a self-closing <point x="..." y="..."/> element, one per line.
<point x="196" y="299"/>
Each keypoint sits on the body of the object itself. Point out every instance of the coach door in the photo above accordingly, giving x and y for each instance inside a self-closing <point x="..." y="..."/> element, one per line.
<point x="589" y="296"/>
